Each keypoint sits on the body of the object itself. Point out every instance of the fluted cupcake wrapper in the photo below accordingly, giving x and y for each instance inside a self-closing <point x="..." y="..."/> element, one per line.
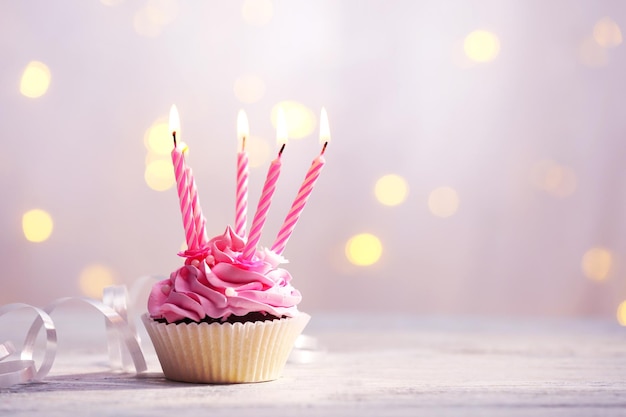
<point x="225" y="352"/>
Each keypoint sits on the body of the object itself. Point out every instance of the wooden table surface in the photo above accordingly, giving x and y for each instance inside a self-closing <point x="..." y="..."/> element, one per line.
<point x="367" y="366"/>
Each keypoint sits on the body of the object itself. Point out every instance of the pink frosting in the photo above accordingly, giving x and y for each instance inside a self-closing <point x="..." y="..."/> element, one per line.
<point x="217" y="282"/>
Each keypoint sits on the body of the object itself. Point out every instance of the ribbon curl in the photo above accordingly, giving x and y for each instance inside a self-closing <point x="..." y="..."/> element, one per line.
<point x="24" y="370"/>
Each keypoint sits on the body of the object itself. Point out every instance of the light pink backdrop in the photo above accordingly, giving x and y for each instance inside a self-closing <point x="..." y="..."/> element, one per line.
<point x="398" y="102"/>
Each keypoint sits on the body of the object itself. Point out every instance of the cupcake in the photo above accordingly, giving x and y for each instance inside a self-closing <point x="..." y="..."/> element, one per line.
<point x="222" y="318"/>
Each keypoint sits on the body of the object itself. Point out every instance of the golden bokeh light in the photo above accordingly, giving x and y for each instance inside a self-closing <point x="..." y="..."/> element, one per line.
<point x="144" y="24"/>
<point x="364" y="249"/>
<point x="249" y="88"/>
<point x="481" y="46"/>
<point x="37" y="225"/>
<point x="35" y="79"/>
<point x="391" y="190"/>
<point x="592" y="54"/>
<point x="257" y="12"/>
<point x="259" y="151"/>
<point x="553" y="178"/>
<point x="443" y="201"/>
<point x="621" y="313"/>
<point x="607" y="33"/>
<point x="158" y="138"/>
<point x="301" y="120"/>
<point x="94" y="278"/>
<point x="152" y="157"/>
<point x="159" y="175"/>
<point x="162" y="12"/>
<point x="150" y="20"/>
<point x="596" y="263"/>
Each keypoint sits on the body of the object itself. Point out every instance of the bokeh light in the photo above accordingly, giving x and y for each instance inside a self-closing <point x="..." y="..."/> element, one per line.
<point x="35" y="79"/>
<point x="553" y="178"/>
<point x="301" y="120"/>
<point x="364" y="249"/>
<point x="159" y="175"/>
<point x="621" y="313"/>
<point x="37" y="225"/>
<point x="159" y="172"/>
<point x="158" y="138"/>
<point x="150" y="20"/>
<point x="162" y="12"/>
<point x="443" y="201"/>
<point x="257" y="12"/>
<point x="481" y="46"/>
<point x="249" y="88"/>
<point x="607" y="33"/>
<point x="592" y="54"/>
<point x="391" y="190"/>
<point x="596" y="263"/>
<point x="144" y="24"/>
<point x="94" y="278"/>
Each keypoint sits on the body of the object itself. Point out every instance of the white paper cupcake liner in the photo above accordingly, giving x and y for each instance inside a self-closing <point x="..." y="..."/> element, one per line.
<point x="225" y="352"/>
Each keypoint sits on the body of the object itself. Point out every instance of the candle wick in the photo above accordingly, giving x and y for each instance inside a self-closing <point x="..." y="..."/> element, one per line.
<point x="324" y="148"/>
<point x="243" y="144"/>
<point x="282" y="148"/>
<point x="174" y="137"/>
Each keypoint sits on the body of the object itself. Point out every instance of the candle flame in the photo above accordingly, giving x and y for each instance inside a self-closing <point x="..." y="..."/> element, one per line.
<point x="324" y="129"/>
<point x="174" y="120"/>
<point x="243" y="130"/>
<point x="281" y="127"/>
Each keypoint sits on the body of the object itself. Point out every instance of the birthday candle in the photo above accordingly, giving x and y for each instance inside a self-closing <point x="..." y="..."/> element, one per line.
<point x="198" y="218"/>
<point x="305" y="190"/>
<point x="182" y="185"/>
<point x="241" y="197"/>
<point x="268" y="189"/>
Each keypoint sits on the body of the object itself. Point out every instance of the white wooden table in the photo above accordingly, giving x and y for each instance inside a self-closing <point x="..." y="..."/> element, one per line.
<point x="371" y="366"/>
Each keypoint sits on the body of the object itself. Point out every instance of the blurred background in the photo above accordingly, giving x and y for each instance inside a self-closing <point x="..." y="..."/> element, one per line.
<point x="476" y="166"/>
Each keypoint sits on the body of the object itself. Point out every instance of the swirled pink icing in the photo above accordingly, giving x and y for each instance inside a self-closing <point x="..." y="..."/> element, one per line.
<point x="217" y="282"/>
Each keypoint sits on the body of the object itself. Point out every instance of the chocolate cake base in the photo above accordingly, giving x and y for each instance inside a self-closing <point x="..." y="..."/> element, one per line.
<point x="250" y="317"/>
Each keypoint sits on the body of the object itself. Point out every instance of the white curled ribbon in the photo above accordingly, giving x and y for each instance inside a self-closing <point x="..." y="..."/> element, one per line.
<point x="116" y="297"/>
<point x="6" y="349"/>
<point x="24" y="370"/>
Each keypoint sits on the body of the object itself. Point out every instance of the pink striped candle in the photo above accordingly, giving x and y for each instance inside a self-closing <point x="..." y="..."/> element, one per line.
<point x="268" y="190"/>
<point x="305" y="190"/>
<point x="182" y="185"/>
<point x="241" y="197"/>
<point x="198" y="218"/>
